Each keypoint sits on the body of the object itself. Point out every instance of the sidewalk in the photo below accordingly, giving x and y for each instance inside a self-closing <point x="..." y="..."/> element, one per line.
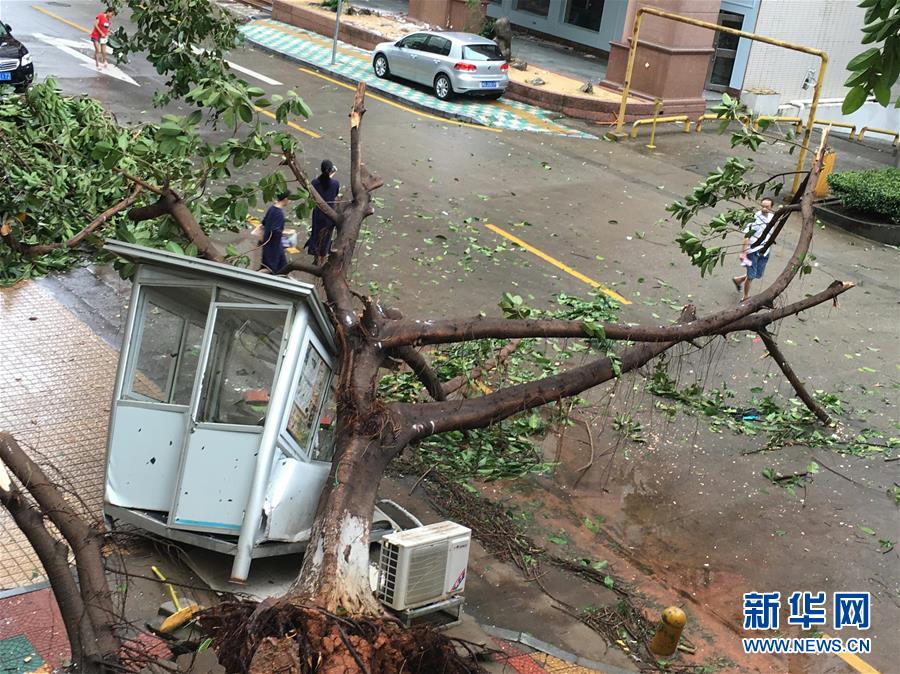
<point x="56" y="377"/>
<point x="354" y="65"/>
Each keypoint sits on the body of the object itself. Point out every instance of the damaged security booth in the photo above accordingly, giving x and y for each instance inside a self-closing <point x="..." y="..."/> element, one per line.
<point x="222" y="424"/>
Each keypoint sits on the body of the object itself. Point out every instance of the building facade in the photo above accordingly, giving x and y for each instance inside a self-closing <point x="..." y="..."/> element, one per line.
<point x="734" y="64"/>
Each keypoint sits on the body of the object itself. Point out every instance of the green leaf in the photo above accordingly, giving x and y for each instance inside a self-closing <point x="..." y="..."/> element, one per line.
<point x="173" y="247"/>
<point x="558" y="539"/>
<point x="864" y="60"/>
<point x="592" y="525"/>
<point x="854" y="100"/>
<point x="609" y="582"/>
<point x="867" y="530"/>
<point x="882" y="93"/>
<point x="599" y="565"/>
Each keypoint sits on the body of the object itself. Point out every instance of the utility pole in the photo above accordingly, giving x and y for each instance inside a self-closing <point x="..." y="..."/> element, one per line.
<point x="337" y="29"/>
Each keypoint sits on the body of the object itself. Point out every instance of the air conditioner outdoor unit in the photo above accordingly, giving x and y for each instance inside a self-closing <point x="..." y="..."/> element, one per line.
<point x="423" y="565"/>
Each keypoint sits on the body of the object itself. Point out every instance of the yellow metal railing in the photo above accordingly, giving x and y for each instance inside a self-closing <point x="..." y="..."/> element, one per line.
<point x="778" y="118"/>
<point x="653" y="11"/>
<point x="659" y="120"/>
<point x="842" y="125"/>
<point x="871" y="129"/>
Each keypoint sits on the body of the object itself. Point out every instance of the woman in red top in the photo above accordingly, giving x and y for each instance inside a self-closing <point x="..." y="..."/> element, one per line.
<point x="100" y="35"/>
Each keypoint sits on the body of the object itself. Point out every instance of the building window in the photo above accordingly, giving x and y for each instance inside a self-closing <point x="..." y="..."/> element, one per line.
<point x="539" y="7"/>
<point x="585" y="13"/>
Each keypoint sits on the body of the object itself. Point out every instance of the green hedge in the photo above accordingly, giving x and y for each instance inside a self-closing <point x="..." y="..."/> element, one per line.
<point x="874" y="193"/>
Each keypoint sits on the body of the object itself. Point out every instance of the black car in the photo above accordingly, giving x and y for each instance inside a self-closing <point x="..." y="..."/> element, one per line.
<point x="16" y="68"/>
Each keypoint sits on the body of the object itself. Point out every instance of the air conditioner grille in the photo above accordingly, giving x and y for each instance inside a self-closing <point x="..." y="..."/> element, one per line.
<point x="388" y="566"/>
<point x="427" y="568"/>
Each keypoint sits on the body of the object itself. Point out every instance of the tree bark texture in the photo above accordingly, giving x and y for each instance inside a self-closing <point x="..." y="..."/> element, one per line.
<point x="170" y="203"/>
<point x="82" y="539"/>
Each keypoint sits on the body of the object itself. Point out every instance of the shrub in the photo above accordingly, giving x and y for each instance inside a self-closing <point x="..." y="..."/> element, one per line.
<point x="875" y="192"/>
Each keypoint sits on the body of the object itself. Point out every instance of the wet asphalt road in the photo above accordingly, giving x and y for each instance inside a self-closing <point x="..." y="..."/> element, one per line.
<point x="596" y="208"/>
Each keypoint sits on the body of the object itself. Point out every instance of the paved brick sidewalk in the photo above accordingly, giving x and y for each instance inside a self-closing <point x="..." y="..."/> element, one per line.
<point x="56" y="380"/>
<point x="355" y="64"/>
<point x="32" y="634"/>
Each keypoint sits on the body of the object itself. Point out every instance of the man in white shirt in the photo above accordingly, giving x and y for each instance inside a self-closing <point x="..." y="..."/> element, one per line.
<point x="751" y="256"/>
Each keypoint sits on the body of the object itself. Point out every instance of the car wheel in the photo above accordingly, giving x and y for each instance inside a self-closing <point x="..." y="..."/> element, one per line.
<point x="381" y="66"/>
<point x="442" y="87"/>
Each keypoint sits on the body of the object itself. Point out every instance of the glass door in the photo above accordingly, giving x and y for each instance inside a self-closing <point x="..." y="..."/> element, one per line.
<point x="240" y="360"/>
<point x="151" y="414"/>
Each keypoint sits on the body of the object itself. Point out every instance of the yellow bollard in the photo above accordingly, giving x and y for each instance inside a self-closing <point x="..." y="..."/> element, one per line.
<point x="827" y="167"/>
<point x="665" y="641"/>
<point x="657" y="105"/>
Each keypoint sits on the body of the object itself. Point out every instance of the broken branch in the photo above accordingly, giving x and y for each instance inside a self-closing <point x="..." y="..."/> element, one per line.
<point x="792" y="377"/>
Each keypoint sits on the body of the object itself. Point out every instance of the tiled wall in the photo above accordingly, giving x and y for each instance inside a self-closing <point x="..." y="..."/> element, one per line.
<point x="834" y="26"/>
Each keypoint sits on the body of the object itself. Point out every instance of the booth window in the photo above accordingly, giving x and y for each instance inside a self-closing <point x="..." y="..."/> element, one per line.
<point x="308" y="399"/>
<point x="240" y="369"/>
<point x="168" y="354"/>
<point x="323" y="449"/>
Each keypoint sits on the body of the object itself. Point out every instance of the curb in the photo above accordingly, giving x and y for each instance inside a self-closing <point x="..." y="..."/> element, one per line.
<point x="437" y="112"/>
<point x="527" y="640"/>
<point x="24" y="589"/>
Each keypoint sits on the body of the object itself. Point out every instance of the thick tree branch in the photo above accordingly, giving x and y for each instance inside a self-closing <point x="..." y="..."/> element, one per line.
<point x="792" y="377"/>
<point x="290" y="160"/>
<point x="760" y="320"/>
<point x="400" y="333"/>
<point x="53" y="555"/>
<point x="357" y="187"/>
<point x="428" y="418"/>
<point x="420" y="367"/>
<point x="42" y="249"/>
<point x="82" y="539"/>
<point x="336" y="267"/>
<point x="171" y="203"/>
<point x="297" y="265"/>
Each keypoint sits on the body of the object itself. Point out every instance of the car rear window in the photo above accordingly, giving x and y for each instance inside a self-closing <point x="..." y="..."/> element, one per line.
<point x="482" y="52"/>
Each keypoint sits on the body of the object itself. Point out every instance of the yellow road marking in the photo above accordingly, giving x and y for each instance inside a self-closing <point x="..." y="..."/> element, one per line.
<point x="556" y="263"/>
<point x="59" y="18"/>
<point x="405" y="108"/>
<point x="311" y="134"/>
<point x="855" y="661"/>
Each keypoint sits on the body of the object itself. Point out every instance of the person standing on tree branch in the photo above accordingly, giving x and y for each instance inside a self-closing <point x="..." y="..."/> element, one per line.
<point x="319" y="242"/>
<point x="751" y="254"/>
<point x="99" y="37"/>
<point x="273" y="257"/>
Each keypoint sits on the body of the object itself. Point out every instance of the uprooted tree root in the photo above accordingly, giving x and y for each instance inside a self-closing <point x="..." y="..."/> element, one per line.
<point x="283" y="637"/>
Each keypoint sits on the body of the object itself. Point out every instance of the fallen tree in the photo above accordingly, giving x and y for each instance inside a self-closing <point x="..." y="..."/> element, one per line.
<point x="329" y="620"/>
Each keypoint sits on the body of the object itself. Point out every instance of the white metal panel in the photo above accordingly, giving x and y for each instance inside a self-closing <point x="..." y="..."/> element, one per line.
<point x="292" y="496"/>
<point x="215" y="479"/>
<point x="144" y="452"/>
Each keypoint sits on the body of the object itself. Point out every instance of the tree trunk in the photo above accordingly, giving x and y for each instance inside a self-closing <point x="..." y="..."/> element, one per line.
<point x="335" y="571"/>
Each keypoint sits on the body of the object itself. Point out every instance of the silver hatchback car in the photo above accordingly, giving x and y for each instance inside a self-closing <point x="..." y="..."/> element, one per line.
<point x="450" y="63"/>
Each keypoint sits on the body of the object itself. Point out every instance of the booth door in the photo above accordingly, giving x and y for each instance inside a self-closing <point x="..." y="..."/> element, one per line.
<point x="240" y="359"/>
<point x="151" y="415"/>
